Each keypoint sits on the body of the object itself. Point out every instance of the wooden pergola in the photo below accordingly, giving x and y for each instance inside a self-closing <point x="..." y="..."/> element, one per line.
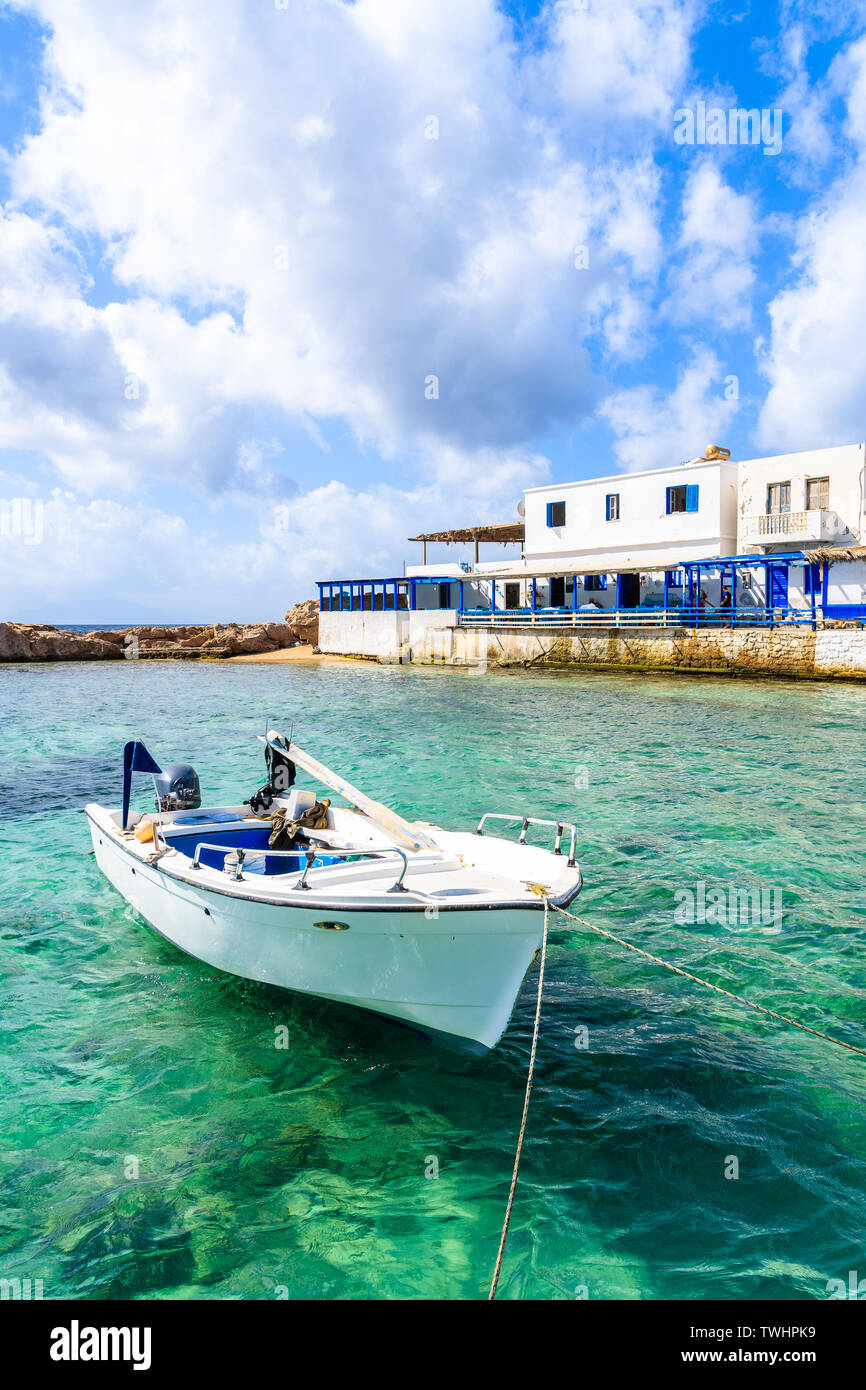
<point x="506" y="533"/>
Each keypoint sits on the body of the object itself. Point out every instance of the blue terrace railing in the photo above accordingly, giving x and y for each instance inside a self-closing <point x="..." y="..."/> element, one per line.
<point x="685" y="616"/>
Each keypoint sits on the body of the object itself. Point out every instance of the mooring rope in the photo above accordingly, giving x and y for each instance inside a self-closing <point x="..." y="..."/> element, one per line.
<point x="656" y="960"/>
<point x="519" y="1150"/>
<point x="738" y="998"/>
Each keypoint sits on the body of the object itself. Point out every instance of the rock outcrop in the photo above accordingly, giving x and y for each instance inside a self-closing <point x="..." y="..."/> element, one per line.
<point x="303" y="621"/>
<point x="40" y="642"/>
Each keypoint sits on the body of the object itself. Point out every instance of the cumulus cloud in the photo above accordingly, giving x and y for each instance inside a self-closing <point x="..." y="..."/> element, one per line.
<point x="815" y="362"/>
<point x="274" y="171"/>
<point x="718" y="236"/>
<point x="49" y="560"/>
<point x="52" y="546"/>
<point x="622" y="63"/>
<point x="654" y="429"/>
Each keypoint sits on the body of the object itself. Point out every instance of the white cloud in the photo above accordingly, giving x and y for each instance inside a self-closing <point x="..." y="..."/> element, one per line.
<point x="621" y="62"/>
<point x="816" y="359"/>
<point x="654" y="430"/>
<point x="105" y="560"/>
<point x="271" y="167"/>
<point x="718" y="236"/>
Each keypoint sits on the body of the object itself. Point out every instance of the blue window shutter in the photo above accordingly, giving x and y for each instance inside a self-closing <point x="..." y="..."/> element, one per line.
<point x="550" y="513"/>
<point x="602" y="581"/>
<point x="668" y="500"/>
<point x="691" y="497"/>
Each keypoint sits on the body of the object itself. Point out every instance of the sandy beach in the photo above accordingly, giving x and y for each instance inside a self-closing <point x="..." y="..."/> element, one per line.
<point x="302" y="653"/>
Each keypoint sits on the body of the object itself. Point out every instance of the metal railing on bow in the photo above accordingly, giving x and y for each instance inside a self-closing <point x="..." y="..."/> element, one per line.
<point x="560" y="826"/>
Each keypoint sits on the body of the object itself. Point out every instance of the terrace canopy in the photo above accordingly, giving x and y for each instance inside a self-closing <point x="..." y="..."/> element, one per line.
<point x="507" y="533"/>
<point x="668" y="609"/>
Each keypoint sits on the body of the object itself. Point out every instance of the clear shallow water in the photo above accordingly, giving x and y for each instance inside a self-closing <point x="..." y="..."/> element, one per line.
<point x="304" y="1169"/>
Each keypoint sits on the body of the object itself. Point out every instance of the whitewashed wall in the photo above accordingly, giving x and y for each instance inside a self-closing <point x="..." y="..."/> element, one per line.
<point x="843" y="466"/>
<point x="389" y="635"/>
<point x="847" y="582"/>
<point x="364" y="633"/>
<point x="644" y="533"/>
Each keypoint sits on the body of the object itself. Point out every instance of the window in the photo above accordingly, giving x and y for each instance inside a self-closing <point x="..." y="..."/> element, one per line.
<point x="778" y="498"/>
<point x="611" y="507"/>
<point x="593" y="582"/>
<point x="556" y="513"/>
<point x="557" y="593"/>
<point x="812" y="577"/>
<point x="512" y="595"/>
<point x="444" y="595"/>
<point x="817" y="494"/>
<point x="675" y="579"/>
<point x="683" y="498"/>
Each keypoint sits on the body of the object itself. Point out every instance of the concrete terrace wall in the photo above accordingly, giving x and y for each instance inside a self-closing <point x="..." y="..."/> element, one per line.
<point x="375" y="634"/>
<point x="390" y="635"/>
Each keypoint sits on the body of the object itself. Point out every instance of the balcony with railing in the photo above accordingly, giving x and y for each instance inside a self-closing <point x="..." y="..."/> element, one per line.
<point x="817" y="524"/>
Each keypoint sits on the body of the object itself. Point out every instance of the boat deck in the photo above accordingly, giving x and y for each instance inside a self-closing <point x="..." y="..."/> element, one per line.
<point x="465" y="871"/>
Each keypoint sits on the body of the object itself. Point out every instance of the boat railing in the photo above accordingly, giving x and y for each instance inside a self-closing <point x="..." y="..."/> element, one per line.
<point x="311" y="855"/>
<point x="560" y="825"/>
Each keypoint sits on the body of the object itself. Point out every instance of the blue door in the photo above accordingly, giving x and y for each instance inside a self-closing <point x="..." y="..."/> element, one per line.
<point x="778" y="595"/>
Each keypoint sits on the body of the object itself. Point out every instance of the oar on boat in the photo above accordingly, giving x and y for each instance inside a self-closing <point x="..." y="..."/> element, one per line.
<point x="403" y="833"/>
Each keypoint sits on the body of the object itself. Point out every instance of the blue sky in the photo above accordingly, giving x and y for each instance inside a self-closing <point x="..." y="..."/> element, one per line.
<point x="237" y="246"/>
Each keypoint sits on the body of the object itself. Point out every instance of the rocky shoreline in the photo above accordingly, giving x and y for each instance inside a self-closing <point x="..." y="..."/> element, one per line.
<point x="21" y="642"/>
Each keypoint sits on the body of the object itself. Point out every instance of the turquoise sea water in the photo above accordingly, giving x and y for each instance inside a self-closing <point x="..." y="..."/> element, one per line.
<point x="262" y="1170"/>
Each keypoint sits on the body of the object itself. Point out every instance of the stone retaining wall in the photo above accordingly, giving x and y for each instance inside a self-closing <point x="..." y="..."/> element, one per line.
<point x="832" y="652"/>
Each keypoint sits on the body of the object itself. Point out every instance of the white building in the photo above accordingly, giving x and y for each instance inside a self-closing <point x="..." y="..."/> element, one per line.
<point x="637" y="547"/>
<point x="656" y="519"/>
<point x="814" y="502"/>
<point x="799" y="501"/>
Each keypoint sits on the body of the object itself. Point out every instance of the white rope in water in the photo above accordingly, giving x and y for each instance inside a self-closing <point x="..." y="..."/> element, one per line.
<point x="656" y="960"/>
<point x="505" y="1225"/>
<point x="717" y="989"/>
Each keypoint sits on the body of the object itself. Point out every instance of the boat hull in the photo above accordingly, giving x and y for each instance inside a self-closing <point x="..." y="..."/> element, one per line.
<point x="453" y="974"/>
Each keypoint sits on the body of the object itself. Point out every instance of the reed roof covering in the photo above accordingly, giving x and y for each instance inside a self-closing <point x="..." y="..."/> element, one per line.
<point x="837" y="552"/>
<point x="503" y="533"/>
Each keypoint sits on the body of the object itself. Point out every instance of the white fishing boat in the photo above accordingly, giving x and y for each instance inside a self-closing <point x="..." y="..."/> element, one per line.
<point x="433" y="928"/>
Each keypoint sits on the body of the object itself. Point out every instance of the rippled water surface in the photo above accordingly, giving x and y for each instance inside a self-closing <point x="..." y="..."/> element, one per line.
<point x="261" y="1170"/>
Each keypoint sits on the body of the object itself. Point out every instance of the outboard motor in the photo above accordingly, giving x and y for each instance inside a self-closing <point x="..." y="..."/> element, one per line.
<point x="281" y="773"/>
<point x="177" y="788"/>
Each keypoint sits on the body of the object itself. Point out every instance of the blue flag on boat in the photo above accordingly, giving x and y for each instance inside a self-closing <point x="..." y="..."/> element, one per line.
<point x="135" y="759"/>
